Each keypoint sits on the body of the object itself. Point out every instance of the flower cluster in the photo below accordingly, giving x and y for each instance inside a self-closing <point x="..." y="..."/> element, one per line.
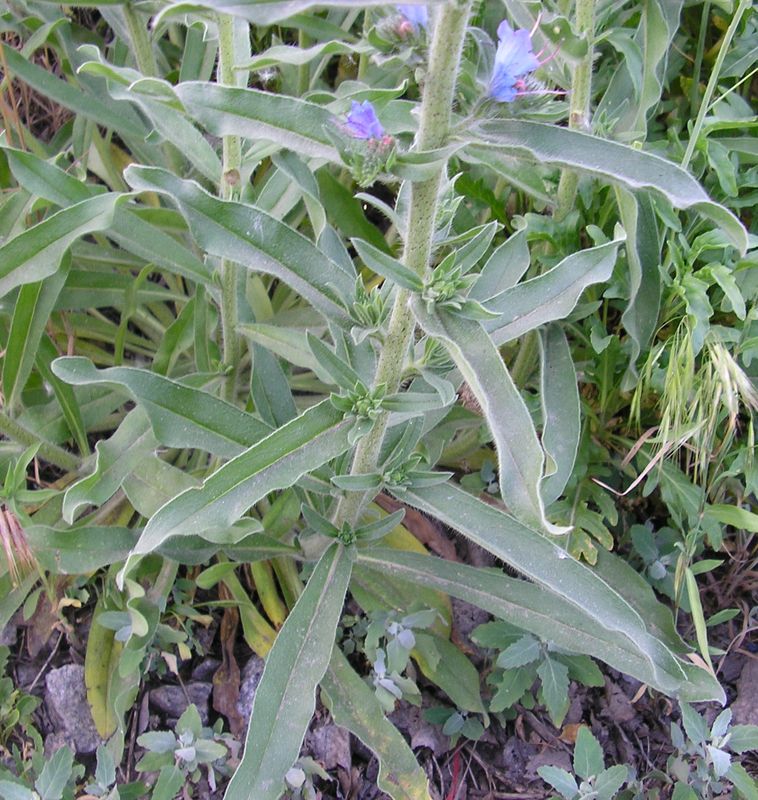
<point x="363" y="143"/>
<point x="514" y="60"/>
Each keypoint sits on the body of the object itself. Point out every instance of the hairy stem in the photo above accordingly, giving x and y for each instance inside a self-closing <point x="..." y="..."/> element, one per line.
<point x="229" y="189"/>
<point x="436" y="113"/>
<point x="579" y="107"/>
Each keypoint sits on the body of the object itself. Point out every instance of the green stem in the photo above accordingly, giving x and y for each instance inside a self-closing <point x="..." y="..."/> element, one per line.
<point x="713" y="80"/>
<point x="143" y="48"/>
<point x="434" y="128"/>
<point x="229" y="189"/>
<point x="47" y="451"/>
<point x="304" y="70"/>
<point x="579" y="105"/>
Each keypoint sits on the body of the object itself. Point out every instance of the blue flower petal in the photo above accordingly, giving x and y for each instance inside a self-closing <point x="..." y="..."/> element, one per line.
<point x="362" y="122"/>
<point x="514" y="59"/>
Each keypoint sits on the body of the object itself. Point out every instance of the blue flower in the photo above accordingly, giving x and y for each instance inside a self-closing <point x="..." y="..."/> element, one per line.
<point x="362" y="122"/>
<point x="418" y="16"/>
<point x="513" y="60"/>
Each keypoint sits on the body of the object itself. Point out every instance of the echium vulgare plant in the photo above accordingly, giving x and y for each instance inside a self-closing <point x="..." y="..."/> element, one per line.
<point x="268" y="357"/>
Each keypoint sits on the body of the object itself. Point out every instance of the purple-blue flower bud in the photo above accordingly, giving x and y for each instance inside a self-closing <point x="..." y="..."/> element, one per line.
<point x="513" y="60"/>
<point x="362" y="122"/>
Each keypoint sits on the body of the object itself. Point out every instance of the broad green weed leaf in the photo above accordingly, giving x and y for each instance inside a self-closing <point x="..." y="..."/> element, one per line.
<point x="555" y="688"/>
<point x="588" y="755"/>
<point x="286" y="696"/>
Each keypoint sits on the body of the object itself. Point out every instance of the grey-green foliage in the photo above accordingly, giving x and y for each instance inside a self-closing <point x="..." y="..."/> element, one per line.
<point x="253" y="356"/>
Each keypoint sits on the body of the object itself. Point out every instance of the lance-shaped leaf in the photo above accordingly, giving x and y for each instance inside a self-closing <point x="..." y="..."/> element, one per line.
<point x="286" y="696"/>
<point x="643" y="255"/>
<point x="504" y="268"/>
<point x="553" y="295"/>
<point x="80" y="550"/>
<point x="387" y="266"/>
<point x="37" y="252"/>
<point x="31" y="312"/>
<point x="133" y="233"/>
<point x="102" y="110"/>
<point x="540" y="611"/>
<point x="286" y="121"/>
<point x="355" y="707"/>
<point x="561" y="411"/>
<point x="181" y="416"/>
<point x="617" y="163"/>
<point x="266" y="12"/>
<point x="116" y="458"/>
<point x="296" y="56"/>
<point x="520" y="456"/>
<point x="249" y="236"/>
<point x="544" y="562"/>
<point x="276" y="462"/>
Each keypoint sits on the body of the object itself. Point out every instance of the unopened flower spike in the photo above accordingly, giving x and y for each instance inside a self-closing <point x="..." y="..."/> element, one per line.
<point x="514" y="61"/>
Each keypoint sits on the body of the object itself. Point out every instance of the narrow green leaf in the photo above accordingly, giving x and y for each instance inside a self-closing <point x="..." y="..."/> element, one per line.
<point x="286" y="121"/>
<point x="31" y="312"/>
<point x="617" y="163"/>
<point x="296" y="56"/>
<point x="387" y="266"/>
<point x="743" y="738"/>
<point x="561" y="411"/>
<point x="539" y="559"/>
<point x="643" y="255"/>
<point x="275" y="462"/>
<point x="286" y="696"/>
<point x="37" y="252"/>
<point x="181" y="416"/>
<point x="247" y="235"/>
<point x="132" y="232"/>
<point x="79" y="551"/>
<point x="101" y="109"/>
<point x="266" y="12"/>
<point x="520" y="456"/>
<point x="542" y="612"/>
<point x="354" y="706"/>
<point x="504" y="268"/>
<point x="117" y="456"/>
<point x="553" y="295"/>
